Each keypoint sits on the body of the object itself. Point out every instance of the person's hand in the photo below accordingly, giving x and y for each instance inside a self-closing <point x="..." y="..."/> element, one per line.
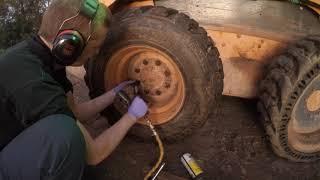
<point x="122" y="85"/>
<point x="138" y="108"/>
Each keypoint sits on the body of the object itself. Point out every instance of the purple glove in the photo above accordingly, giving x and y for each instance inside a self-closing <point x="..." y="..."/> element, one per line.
<point x="122" y="85"/>
<point x="138" y="108"/>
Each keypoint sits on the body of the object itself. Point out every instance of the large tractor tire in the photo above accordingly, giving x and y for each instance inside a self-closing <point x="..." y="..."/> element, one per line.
<point x="175" y="61"/>
<point x="290" y="101"/>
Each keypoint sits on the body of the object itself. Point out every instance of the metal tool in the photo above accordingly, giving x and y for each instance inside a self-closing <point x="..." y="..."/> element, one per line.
<point x="125" y="97"/>
<point x="158" y="172"/>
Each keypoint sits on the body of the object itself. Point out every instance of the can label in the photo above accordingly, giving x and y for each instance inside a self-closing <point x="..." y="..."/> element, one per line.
<point x="191" y="165"/>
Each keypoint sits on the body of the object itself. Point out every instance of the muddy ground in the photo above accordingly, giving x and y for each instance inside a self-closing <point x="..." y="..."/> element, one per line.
<point x="231" y="145"/>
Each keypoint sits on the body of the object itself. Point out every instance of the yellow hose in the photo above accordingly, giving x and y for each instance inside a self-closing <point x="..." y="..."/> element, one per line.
<point x="161" y="151"/>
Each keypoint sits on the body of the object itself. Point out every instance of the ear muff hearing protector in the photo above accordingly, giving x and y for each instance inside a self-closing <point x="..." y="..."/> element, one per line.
<point x="69" y="44"/>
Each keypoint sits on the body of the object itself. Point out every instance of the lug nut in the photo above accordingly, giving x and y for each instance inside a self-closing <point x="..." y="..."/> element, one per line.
<point x="137" y="70"/>
<point x="158" y="93"/>
<point x="145" y="62"/>
<point x="158" y="63"/>
<point x="167" y="73"/>
<point x="167" y="86"/>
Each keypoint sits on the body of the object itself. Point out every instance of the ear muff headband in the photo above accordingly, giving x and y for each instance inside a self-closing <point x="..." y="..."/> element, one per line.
<point x="69" y="44"/>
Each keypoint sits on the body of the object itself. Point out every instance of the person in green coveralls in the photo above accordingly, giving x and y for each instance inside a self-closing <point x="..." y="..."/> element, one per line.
<point x="41" y="131"/>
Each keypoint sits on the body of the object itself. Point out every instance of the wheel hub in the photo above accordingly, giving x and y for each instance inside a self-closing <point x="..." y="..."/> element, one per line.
<point x="162" y="83"/>
<point x="313" y="102"/>
<point x="158" y="82"/>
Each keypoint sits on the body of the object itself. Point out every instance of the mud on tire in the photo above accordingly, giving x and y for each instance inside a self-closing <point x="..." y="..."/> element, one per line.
<point x="190" y="48"/>
<point x="287" y="82"/>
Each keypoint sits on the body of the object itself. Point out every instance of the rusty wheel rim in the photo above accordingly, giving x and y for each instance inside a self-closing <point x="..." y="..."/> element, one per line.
<point x="304" y="137"/>
<point x="306" y="142"/>
<point x="161" y="80"/>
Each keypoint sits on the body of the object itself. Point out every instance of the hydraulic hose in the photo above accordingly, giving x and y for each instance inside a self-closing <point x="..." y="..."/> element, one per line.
<point x="161" y="150"/>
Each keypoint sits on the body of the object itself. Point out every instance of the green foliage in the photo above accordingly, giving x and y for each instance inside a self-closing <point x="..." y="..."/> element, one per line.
<point x="1" y="51"/>
<point x="18" y="19"/>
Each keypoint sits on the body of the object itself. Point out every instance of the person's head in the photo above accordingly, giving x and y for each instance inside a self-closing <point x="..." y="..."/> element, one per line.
<point x="61" y="10"/>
